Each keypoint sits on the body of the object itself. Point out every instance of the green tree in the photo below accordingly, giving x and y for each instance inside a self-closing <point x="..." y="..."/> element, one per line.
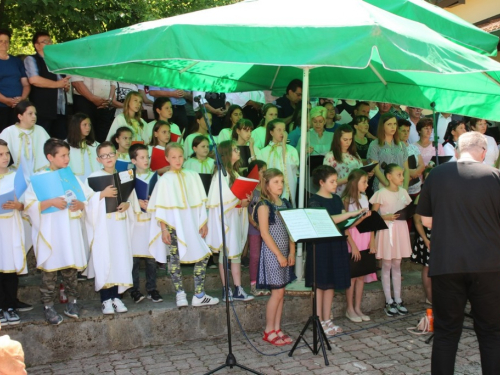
<point x="70" y="19"/>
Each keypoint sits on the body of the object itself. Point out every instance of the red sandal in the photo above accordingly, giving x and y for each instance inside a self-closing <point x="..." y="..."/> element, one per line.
<point x="285" y="338"/>
<point x="273" y="341"/>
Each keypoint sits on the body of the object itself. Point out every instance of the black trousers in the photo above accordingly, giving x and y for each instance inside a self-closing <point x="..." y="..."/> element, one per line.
<point x="57" y="128"/>
<point x="179" y="117"/>
<point x="449" y="297"/>
<point x="101" y="118"/>
<point x="8" y="290"/>
<point x="7" y="117"/>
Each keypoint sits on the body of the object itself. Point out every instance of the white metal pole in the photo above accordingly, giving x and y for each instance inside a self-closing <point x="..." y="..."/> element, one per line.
<point x="299" y="269"/>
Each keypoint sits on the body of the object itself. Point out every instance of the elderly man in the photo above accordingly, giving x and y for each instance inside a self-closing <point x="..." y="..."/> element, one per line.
<point x="48" y="92"/>
<point x="460" y="201"/>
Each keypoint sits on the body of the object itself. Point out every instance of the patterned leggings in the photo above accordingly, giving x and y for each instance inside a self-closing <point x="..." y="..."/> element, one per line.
<point x="200" y="267"/>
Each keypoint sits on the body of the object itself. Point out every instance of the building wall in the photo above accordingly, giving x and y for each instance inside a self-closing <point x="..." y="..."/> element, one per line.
<point x="476" y="10"/>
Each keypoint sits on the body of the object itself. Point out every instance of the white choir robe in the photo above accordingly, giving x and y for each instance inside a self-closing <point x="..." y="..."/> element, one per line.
<point x="142" y="222"/>
<point x="148" y="135"/>
<point x="273" y="156"/>
<point x="259" y="137"/>
<point x="137" y="129"/>
<point x="83" y="161"/>
<point x="235" y="219"/>
<point x="199" y="166"/>
<point x="225" y="134"/>
<point x="27" y="148"/>
<point x="109" y="237"/>
<point x="58" y="239"/>
<point x="179" y="201"/>
<point x="15" y="240"/>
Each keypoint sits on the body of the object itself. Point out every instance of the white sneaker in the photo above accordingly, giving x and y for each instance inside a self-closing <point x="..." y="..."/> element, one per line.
<point x="181" y="299"/>
<point x="206" y="300"/>
<point x="107" y="307"/>
<point x="119" y="306"/>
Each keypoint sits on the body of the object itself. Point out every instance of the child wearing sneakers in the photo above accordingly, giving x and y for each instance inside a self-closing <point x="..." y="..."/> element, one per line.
<point x="110" y="235"/>
<point x="180" y="221"/>
<point x="235" y="220"/>
<point x="57" y="236"/>
<point x="139" y="155"/>
<point x="12" y="238"/>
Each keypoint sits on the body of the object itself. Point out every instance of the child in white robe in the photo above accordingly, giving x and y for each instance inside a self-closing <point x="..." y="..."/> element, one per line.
<point x="122" y="140"/>
<point x="130" y="118"/>
<point x="110" y="238"/>
<point x="277" y="154"/>
<point x="26" y="140"/>
<point x="57" y="237"/>
<point x="13" y="240"/>
<point x="180" y="221"/>
<point x="81" y="139"/>
<point x="140" y="236"/>
<point x="199" y="161"/>
<point x="235" y="220"/>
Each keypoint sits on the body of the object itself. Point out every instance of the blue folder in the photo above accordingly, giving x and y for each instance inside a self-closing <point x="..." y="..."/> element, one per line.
<point x="122" y="165"/>
<point x="145" y="189"/>
<point x="20" y="184"/>
<point x="56" y="184"/>
<point x="4" y="198"/>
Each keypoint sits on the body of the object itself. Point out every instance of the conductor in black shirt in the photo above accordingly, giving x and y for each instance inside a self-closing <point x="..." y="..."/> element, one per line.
<point x="461" y="202"/>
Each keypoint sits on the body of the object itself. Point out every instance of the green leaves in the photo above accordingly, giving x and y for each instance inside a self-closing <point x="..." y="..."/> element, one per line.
<point x="71" y="19"/>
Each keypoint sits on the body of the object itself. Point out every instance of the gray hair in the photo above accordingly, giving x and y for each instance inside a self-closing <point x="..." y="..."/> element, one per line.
<point x="317" y="111"/>
<point x="472" y="142"/>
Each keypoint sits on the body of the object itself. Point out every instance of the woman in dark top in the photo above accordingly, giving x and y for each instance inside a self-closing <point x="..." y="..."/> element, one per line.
<point x="361" y="127"/>
<point x="14" y="85"/>
<point x="332" y="256"/>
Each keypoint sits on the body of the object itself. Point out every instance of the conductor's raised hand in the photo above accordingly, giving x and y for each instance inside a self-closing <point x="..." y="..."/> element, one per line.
<point x="204" y="231"/>
<point x="58" y="203"/>
<point x="76" y="205"/>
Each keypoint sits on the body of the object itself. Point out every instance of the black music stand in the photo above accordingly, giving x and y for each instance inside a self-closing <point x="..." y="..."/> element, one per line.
<point x="318" y="332"/>
<point x="311" y="225"/>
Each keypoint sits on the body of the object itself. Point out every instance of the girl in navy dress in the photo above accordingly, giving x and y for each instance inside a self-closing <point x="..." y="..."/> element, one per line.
<point x="277" y="253"/>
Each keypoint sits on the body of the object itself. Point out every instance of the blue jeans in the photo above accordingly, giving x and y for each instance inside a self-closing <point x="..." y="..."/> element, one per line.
<point x="109" y="293"/>
<point x="150" y="273"/>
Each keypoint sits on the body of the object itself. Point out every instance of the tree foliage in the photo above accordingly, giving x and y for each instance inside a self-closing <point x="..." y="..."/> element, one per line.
<point x="70" y="19"/>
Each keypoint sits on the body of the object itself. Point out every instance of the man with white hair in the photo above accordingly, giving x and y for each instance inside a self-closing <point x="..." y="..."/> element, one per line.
<point x="461" y="202"/>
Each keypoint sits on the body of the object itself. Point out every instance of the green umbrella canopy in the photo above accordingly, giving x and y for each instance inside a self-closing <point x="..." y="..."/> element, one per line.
<point x="447" y="24"/>
<point x="355" y="50"/>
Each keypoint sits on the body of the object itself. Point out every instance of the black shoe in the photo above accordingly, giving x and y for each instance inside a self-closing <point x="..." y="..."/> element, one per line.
<point x="21" y="306"/>
<point x="137" y="296"/>
<point x="154" y="296"/>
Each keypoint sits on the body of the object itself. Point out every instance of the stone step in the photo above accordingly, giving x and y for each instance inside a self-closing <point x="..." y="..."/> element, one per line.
<point x="148" y="323"/>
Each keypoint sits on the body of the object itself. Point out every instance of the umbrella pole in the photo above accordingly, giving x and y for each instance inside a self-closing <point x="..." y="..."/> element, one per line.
<point x="436" y="138"/>
<point x="299" y="264"/>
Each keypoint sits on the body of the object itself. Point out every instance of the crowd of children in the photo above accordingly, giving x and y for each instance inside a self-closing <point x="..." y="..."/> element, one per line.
<point x="180" y="220"/>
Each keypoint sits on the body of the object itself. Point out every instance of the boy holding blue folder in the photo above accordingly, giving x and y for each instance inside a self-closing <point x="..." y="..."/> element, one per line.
<point x="57" y="232"/>
<point x="145" y="181"/>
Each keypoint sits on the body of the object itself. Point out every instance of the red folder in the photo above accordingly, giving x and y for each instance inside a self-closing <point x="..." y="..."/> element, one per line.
<point x="243" y="187"/>
<point x="158" y="160"/>
<point x="174" y="137"/>
<point x="254" y="173"/>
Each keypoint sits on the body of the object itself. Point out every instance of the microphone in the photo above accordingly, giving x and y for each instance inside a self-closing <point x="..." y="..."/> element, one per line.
<point x="197" y="99"/>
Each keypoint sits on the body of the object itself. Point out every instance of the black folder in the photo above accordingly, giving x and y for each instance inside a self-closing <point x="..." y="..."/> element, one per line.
<point x="346" y="224"/>
<point x="244" y="156"/>
<point x="372" y="223"/>
<point x="100" y="183"/>
<point x="366" y="265"/>
<point x="407" y="212"/>
<point x="206" y="179"/>
<point x="442" y="159"/>
<point x="369" y="167"/>
<point x="412" y="164"/>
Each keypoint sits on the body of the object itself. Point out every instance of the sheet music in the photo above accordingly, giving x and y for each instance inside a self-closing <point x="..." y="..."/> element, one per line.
<point x="309" y="224"/>
<point x="322" y="223"/>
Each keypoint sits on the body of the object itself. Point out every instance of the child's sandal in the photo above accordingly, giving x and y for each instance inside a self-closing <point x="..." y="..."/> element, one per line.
<point x="285" y="338"/>
<point x="273" y="341"/>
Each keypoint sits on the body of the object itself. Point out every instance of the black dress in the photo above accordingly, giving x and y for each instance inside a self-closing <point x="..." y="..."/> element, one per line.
<point x="420" y="254"/>
<point x="332" y="256"/>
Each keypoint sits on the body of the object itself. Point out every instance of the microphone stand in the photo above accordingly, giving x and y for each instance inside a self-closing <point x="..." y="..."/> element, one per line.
<point x="230" y="359"/>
